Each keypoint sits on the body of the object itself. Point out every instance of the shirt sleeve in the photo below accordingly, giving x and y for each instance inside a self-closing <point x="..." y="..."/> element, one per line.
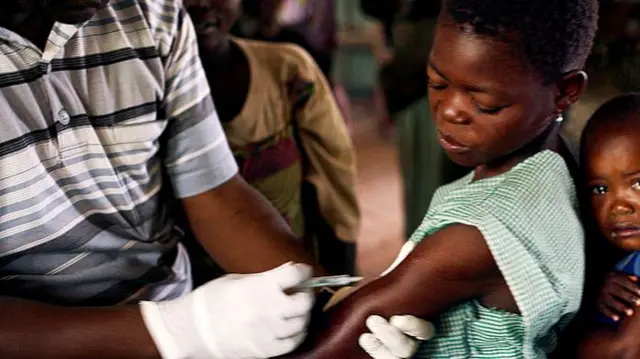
<point x="330" y="152"/>
<point x="197" y="156"/>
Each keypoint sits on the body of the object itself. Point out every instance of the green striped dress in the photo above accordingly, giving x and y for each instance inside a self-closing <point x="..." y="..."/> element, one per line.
<point x="529" y="219"/>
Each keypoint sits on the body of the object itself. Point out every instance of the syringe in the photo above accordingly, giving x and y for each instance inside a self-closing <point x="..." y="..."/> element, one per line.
<point x="328" y="281"/>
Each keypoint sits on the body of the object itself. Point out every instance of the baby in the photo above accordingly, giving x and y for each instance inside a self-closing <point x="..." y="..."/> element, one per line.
<point x="611" y="161"/>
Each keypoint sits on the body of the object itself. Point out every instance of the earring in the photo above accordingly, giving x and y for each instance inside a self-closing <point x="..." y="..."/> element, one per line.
<point x="560" y="118"/>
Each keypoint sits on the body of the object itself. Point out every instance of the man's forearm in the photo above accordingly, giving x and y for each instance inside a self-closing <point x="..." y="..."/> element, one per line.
<point x="242" y="232"/>
<point x="34" y="330"/>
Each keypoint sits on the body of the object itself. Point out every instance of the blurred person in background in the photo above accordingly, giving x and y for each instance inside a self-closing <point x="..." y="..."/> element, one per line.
<point x="285" y="130"/>
<point x="309" y="24"/>
<point x="261" y="20"/>
<point x="315" y="21"/>
<point x="403" y="44"/>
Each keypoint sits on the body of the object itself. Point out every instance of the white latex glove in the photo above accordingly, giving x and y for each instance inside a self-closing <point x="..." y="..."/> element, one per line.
<point x="395" y="339"/>
<point x="234" y="317"/>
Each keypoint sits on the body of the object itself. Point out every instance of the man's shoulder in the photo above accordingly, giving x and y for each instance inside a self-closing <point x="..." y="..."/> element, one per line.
<point x="168" y="10"/>
<point x="159" y="15"/>
<point x="161" y="18"/>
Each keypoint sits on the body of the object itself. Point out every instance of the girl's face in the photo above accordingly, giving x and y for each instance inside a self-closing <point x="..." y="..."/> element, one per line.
<point x="212" y="19"/>
<point x="486" y="101"/>
<point x="612" y="173"/>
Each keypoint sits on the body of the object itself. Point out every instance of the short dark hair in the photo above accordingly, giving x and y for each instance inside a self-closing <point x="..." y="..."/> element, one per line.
<point x="622" y="108"/>
<point x="556" y="35"/>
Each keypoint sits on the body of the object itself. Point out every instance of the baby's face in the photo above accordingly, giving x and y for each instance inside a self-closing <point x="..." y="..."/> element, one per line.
<point x="613" y="179"/>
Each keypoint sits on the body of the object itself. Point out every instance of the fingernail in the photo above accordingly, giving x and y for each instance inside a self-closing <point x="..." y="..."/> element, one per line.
<point x="615" y="318"/>
<point x="629" y="312"/>
<point x="637" y="302"/>
<point x="633" y="278"/>
<point x="375" y="320"/>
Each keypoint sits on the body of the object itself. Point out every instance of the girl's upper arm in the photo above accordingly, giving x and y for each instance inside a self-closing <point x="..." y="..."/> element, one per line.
<point x="451" y="266"/>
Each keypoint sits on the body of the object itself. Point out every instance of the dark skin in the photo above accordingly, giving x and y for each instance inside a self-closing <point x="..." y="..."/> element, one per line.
<point x="225" y="64"/>
<point x="266" y="12"/>
<point x="33" y="19"/>
<point x="468" y="73"/>
<point x="615" y="200"/>
<point x="217" y="217"/>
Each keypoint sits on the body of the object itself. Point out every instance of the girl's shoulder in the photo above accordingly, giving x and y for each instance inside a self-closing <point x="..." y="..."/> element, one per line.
<point x="282" y="60"/>
<point x="543" y="180"/>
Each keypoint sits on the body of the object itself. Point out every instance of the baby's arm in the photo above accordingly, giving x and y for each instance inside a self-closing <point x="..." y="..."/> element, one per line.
<point x="452" y="266"/>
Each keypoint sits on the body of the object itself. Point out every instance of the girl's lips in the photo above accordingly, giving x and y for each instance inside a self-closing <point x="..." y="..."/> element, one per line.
<point x="451" y="144"/>
<point x="207" y="27"/>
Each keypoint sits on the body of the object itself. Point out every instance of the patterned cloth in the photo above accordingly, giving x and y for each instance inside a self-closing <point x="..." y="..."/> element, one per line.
<point x="290" y="113"/>
<point x="82" y="217"/>
<point x="528" y="216"/>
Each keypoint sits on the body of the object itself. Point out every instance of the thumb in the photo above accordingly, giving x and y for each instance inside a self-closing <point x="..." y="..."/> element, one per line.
<point x="289" y="274"/>
<point x="413" y="326"/>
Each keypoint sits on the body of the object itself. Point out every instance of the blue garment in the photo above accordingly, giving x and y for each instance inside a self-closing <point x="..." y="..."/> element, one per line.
<point x="630" y="265"/>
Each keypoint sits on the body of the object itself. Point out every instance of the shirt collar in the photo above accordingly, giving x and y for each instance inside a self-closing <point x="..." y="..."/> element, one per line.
<point x="58" y="37"/>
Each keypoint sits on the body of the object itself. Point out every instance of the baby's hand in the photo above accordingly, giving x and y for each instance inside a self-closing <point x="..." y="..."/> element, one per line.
<point x="620" y="296"/>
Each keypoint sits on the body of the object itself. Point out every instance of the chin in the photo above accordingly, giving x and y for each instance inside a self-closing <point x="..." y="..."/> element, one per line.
<point x="631" y="244"/>
<point x="462" y="159"/>
<point x="76" y="15"/>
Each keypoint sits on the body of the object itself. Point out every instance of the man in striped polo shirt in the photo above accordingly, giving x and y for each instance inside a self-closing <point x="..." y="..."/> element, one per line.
<point x="98" y="100"/>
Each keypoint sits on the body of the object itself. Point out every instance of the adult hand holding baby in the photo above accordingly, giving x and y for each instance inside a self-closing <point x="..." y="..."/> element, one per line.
<point x="620" y="296"/>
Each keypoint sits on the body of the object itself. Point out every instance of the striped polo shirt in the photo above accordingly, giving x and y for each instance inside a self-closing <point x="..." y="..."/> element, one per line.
<point x="88" y="129"/>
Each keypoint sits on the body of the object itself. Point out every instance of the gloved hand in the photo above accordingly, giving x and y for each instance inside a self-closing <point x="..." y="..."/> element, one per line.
<point x="234" y="317"/>
<point x="395" y="339"/>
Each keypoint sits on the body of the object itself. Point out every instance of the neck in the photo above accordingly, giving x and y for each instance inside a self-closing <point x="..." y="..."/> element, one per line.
<point x="220" y="56"/>
<point x="548" y="140"/>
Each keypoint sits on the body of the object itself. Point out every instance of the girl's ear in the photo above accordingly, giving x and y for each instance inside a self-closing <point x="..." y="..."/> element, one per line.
<point x="570" y="87"/>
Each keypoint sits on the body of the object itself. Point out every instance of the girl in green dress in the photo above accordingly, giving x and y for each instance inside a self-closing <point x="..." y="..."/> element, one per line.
<point x="498" y="261"/>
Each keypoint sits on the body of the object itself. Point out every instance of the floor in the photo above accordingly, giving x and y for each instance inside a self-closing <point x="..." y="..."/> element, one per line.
<point x="379" y="189"/>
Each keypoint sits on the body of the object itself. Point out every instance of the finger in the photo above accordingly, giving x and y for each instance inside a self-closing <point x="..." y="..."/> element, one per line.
<point x="413" y="326"/>
<point x="372" y="346"/>
<point x="298" y="304"/>
<point x="289" y="275"/>
<point x="286" y="346"/>
<point x="624" y="296"/>
<point x="291" y="327"/>
<point x="618" y="307"/>
<point x="609" y="313"/>
<point x="395" y="341"/>
<point x="629" y="285"/>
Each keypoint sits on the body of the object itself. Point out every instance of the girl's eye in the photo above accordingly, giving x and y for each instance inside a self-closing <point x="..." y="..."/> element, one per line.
<point x="636" y="185"/>
<point x="598" y="189"/>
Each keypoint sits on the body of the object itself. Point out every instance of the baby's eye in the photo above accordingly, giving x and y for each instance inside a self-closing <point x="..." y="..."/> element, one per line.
<point x="599" y="189"/>
<point x="435" y="85"/>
